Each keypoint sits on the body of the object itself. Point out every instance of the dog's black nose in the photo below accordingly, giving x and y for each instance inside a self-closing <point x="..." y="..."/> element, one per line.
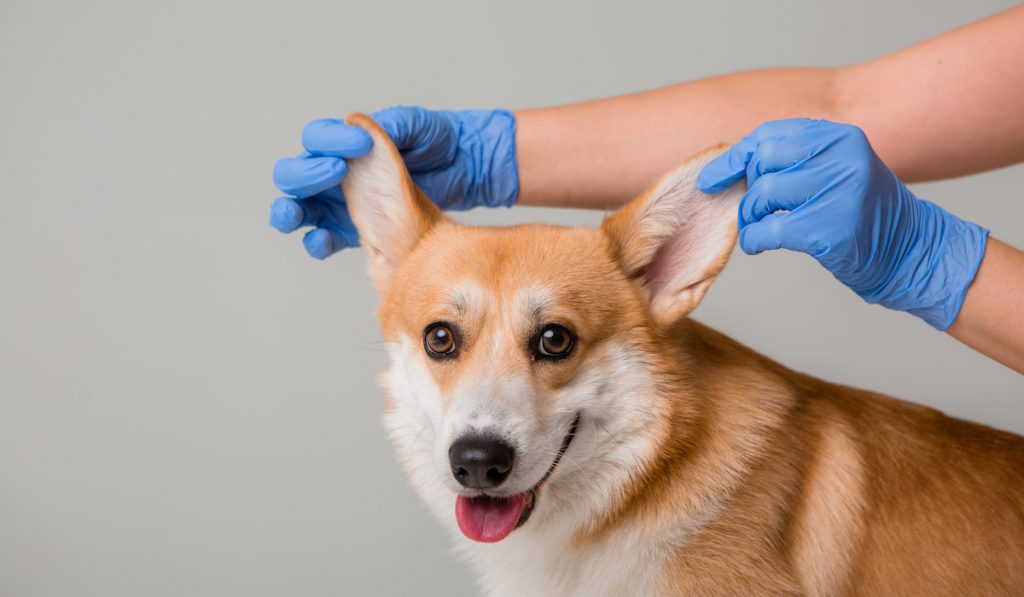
<point x="480" y="462"/>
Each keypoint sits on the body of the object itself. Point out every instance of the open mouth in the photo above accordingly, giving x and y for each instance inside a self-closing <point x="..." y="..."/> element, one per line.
<point x="491" y="518"/>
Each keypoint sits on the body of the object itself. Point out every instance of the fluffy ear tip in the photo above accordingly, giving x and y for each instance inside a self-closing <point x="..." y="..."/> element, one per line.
<point x="366" y="123"/>
<point x="357" y="119"/>
<point x="709" y="153"/>
<point x="673" y="239"/>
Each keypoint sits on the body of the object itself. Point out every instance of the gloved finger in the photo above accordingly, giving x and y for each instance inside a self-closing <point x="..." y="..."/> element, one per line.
<point x="332" y="196"/>
<point x="404" y="124"/>
<point x="427" y="139"/>
<point x="739" y="160"/>
<point x="333" y="138"/>
<point x="778" y="154"/>
<point x="728" y="168"/>
<point x="770" y="233"/>
<point x="307" y="175"/>
<point x="797" y="143"/>
<point x="321" y="243"/>
<point x="776" y="191"/>
<point x="288" y="214"/>
<point x="786" y="127"/>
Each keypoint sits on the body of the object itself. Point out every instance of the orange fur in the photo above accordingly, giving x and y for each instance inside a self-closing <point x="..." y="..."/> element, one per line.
<point x="788" y="484"/>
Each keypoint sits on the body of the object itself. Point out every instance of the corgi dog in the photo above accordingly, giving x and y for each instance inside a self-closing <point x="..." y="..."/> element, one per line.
<point x="578" y="434"/>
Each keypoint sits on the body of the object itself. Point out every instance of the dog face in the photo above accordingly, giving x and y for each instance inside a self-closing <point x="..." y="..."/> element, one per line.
<point x="526" y="361"/>
<point x="502" y="362"/>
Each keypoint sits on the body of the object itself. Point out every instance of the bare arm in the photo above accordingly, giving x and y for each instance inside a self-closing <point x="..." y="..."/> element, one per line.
<point x="991" y="320"/>
<point x="949" y="106"/>
<point x="603" y="153"/>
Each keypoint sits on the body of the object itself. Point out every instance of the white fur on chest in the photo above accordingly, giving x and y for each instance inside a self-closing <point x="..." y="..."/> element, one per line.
<point x="624" y="563"/>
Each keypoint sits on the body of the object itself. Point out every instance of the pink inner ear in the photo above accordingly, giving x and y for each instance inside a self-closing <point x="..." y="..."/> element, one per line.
<point x="689" y="255"/>
<point x="674" y="239"/>
<point x="670" y="258"/>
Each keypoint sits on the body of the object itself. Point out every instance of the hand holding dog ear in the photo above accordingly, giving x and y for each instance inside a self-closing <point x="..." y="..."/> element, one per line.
<point x="818" y="187"/>
<point x="461" y="160"/>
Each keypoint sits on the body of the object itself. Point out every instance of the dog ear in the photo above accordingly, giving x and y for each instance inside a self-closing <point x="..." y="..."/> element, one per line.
<point x="674" y="240"/>
<point x="390" y="212"/>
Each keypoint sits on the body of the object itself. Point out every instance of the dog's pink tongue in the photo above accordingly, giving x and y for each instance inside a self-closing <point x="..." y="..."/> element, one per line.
<point x="489" y="519"/>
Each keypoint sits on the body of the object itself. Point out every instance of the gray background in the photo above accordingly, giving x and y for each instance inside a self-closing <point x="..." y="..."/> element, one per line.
<point x="188" y="403"/>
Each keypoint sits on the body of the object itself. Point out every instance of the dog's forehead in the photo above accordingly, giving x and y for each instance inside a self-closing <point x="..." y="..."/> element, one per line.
<point x="514" y="255"/>
<point x="529" y="266"/>
<point x="526" y="273"/>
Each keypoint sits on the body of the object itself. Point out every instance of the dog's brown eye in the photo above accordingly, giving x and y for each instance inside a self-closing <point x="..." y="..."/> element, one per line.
<point x="439" y="340"/>
<point x="554" y="342"/>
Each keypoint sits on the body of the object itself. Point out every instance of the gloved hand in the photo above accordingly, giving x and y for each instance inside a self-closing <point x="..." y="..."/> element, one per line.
<point x="817" y="187"/>
<point x="460" y="160"/>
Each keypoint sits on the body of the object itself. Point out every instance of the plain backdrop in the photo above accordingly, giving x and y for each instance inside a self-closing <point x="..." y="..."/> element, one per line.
<point x="188" y="403"/>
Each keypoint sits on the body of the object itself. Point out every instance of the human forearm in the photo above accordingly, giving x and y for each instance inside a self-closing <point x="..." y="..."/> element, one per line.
<point x="949" y="106"/>
<point x="601" y="153"/>
<point x="991" y="320"/>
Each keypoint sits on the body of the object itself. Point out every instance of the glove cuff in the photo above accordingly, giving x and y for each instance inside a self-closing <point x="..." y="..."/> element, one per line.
<point x="489" y="136"/>
<point x="946" y="270"/>
<point x="505" y="175"/>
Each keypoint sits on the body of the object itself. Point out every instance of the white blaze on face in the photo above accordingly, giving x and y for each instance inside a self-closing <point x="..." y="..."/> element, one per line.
<point x="510" y="406"/>
<point x="613" y="390"/>
<point x="481" y="423"/>
<point x="498" y="393"/>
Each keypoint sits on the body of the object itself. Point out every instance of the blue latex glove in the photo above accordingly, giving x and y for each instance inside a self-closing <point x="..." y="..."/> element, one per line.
<point x="460" y="160"/>
<point x="817" y="187"/>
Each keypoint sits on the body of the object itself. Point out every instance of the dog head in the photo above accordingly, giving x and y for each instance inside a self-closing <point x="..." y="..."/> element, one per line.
<point x="529" y="364"/>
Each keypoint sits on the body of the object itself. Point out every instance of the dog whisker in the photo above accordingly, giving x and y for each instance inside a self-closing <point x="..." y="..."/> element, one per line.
<point x="414" y="442"/>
